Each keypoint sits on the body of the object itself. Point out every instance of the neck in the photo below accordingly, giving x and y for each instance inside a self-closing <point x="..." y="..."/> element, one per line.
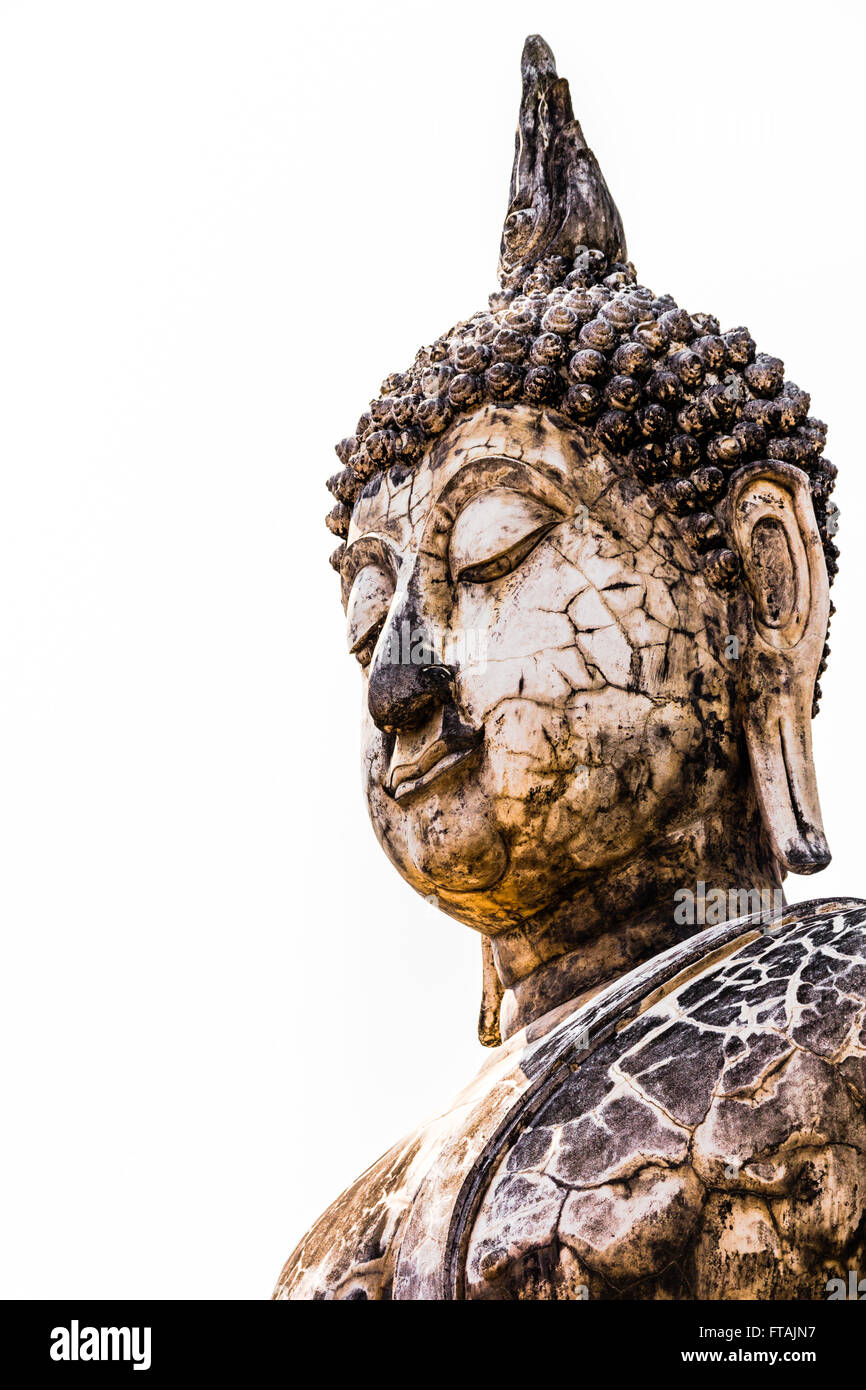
<point x="695" y="876"/>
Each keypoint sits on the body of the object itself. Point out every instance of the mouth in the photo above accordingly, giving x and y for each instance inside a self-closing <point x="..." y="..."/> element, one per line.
<point x="420" y="758"/>
<point x="408" y="785"/>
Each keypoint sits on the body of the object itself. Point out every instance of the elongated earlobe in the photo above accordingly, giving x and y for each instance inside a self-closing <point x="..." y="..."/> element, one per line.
<point x="772" y="523"/>
<point x="489" y="1034"/>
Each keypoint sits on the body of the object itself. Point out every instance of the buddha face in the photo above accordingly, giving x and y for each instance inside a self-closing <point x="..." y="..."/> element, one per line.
<point x="547" y="681"/>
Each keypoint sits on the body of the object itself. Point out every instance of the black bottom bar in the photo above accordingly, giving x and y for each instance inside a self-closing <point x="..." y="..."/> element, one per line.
<point x="250" y="1340"/>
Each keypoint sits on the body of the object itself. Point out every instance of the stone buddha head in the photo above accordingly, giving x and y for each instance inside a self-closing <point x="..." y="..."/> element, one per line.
<point x="586" y="541"/>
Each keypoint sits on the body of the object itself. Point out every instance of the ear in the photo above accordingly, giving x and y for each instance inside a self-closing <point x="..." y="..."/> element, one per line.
<point x="772" y="524"/>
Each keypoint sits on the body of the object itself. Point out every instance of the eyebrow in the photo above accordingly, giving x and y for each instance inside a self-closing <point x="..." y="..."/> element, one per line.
<point x="516" y="474"/>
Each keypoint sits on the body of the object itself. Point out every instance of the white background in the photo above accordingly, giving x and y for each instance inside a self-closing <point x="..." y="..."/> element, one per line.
<point x="223" y="224"/>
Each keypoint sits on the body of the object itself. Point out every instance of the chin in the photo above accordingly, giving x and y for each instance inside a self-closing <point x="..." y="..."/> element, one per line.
<point x="449" y="842"/>
<point x="453" y="854"/>
<point x="442" y="837"/>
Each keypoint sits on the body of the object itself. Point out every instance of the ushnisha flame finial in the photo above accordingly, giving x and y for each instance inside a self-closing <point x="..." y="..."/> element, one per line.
<point x="559" y="200"/>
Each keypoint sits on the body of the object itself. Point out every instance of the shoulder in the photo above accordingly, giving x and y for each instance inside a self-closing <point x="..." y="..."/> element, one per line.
<point x="697" y="1131"/>
<point x="710" y="1147"/>
<point x="353" y="1250"/>
<point x="345" y="1255"/>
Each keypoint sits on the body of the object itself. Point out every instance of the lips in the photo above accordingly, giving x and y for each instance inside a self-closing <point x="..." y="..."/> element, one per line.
<point x="423" y="755"/>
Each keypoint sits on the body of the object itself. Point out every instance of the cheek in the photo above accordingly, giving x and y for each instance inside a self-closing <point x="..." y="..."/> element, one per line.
<point x="530" y="753"/>
<point x="562" y="767"/>
<point x="578" y="782"/>
<point x="520" y="639"/>
<point x="516" y="617"/>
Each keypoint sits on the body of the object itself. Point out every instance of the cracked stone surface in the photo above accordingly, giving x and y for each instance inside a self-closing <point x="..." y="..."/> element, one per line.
<point x="712" y="1147"/>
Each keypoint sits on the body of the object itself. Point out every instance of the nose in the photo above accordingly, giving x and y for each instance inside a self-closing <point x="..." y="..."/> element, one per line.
<point x="403" y="694"/>
<point x="407" y="682"/>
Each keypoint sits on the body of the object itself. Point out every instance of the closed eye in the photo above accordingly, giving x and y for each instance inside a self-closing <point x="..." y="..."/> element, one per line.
<point x="495" y="533"/>
<point x="367" y="609"/>
<point x="363" y="648"/>
<point x="503" y="564"/>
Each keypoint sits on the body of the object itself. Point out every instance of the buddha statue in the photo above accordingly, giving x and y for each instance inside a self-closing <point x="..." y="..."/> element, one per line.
<point x="586" y="545"/>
